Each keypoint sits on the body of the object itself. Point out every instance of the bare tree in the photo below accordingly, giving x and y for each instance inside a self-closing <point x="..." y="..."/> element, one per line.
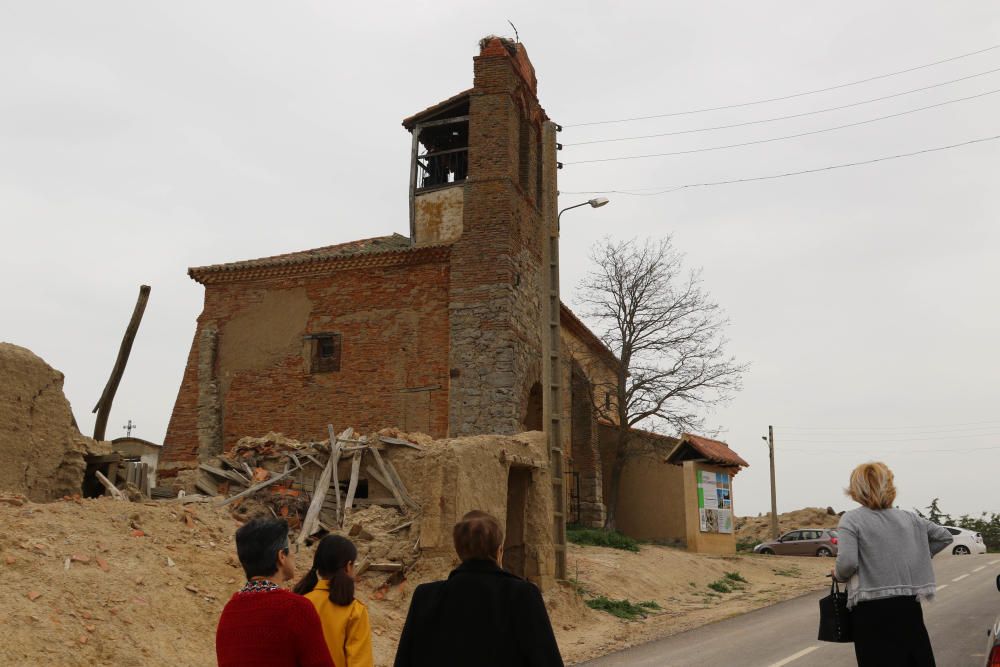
<point x="669" y="336"/>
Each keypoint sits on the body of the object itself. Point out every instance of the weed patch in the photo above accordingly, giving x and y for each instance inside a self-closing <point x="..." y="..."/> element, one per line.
<point x="623" y="608"/>
<point x="601" y="538"/>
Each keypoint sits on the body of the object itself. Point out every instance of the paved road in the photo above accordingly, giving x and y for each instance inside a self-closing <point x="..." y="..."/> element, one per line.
<point x="785" y="634"/>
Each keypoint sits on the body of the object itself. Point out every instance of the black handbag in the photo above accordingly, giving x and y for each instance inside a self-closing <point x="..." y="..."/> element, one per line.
<point x="835" y="617"/>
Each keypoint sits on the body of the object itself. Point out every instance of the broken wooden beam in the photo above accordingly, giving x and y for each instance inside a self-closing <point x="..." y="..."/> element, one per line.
<point x="257" y="487"/>
<point x="398" y="481"/>
<point x="310" y="523"/>
<point x="103" y="407"/>
<point x="231" y="475"/>
<point x="111" y="488"/>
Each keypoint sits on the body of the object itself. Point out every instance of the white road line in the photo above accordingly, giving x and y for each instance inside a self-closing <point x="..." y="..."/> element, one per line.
<point x="960" y="578"/>
<point x="942" y="587"/>
<point x="980" y="568"/>
<point x="794" y="656"/>
<point x="993" y="562"/>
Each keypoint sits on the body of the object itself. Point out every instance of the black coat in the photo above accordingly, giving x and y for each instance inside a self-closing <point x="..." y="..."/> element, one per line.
<point x="482" y="616"/>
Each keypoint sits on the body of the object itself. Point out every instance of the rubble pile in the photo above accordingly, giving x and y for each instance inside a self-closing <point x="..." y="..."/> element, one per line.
<point x="346" y="485"/>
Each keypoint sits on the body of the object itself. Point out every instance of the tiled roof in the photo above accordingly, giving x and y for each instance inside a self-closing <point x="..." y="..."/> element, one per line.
<point x="410" y="123"/>
<point x="713" y="450"/>
<point x="384" y="247"/>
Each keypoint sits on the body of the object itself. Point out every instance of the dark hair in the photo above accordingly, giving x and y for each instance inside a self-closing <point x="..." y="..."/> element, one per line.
<point x="258" y="542"/>
<point x="332" y="556"/>
<point x="477" y="536"/>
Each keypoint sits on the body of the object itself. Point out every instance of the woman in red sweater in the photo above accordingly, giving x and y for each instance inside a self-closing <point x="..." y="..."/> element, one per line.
<point x="263" y="624"/>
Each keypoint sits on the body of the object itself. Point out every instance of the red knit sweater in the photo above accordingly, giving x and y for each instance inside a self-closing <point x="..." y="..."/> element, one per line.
<point x="272" y="629"/>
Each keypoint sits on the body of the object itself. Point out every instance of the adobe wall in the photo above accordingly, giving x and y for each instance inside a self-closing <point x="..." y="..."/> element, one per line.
<point x="248" y="369"/>
<point x="438" y="215"/>
<point x="451" y="477"/>
<point x="651" y="497"/>
<point x="42" y="453"/>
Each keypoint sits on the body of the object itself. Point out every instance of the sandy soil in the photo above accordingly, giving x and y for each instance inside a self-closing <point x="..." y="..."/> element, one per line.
<point x="758" y="528"/>
<point x="107" y="582"/>
<point x="678" y="582"/>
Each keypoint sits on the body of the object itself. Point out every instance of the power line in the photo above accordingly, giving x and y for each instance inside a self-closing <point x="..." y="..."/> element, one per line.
<point x="669" y="189"/>
<point x="789" y="136"/>
<point x="890" y="428"/>
<point x="786" y="97"/>
<point x="777" y="118"/>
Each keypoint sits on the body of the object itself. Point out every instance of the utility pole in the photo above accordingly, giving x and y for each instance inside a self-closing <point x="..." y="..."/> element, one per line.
<point x="774" y="498"/>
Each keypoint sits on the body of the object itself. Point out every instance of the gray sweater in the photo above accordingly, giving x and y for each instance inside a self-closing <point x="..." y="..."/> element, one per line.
<point x="890" y="551"/>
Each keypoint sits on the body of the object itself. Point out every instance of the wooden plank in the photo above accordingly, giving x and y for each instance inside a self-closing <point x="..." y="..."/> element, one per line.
<point x="256" y="487"/>
<point x="310" y="523"/>
<point x="206" y="487"/>
<point x="399" y="441"/>
<point x="400" y="527"/>
<point x="402" y="487"/>
<point x="231" y="475"/>
<point x="388" y="483"/>
<point x="111" y="488"/>
<point x="352" y="486"/>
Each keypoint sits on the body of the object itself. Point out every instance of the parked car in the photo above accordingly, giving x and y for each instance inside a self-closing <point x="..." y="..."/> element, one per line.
<point x="804" y="542"/>
<point x="966" y="542"/>
<point x="993" y="641"/>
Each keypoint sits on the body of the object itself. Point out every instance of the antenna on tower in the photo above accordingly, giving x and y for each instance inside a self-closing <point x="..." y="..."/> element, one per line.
<point x="516" y="37"/>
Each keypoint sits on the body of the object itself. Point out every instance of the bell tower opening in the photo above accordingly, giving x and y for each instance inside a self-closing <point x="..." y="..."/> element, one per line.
<point x="439" y="166"/>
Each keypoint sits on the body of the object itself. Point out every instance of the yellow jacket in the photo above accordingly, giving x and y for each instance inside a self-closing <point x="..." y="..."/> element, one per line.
<point x="347" y="631"/>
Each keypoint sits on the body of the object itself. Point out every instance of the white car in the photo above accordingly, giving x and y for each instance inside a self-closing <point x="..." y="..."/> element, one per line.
<point x="965" y="541"/>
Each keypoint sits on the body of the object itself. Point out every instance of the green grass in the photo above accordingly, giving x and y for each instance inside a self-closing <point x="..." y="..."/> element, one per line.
<point x="601" y="538"/>
<point x="624" y="609"/>
<point x="746" y="545"/>
<point x="736" y="576"/>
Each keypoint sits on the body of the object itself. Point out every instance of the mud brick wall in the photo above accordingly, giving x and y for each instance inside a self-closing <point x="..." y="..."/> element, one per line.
<point x="495" y="307"/>
<point x="249" y="368"/>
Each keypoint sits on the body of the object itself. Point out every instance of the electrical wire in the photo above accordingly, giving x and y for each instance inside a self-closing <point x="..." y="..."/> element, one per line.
<point x="789" y="136"/>
<point x="905" y="451"/>
<point x="787" y="97"/>
<point x="849" y="440"/>
<point x="777" y="118"/>
<point x="669" y="189"/>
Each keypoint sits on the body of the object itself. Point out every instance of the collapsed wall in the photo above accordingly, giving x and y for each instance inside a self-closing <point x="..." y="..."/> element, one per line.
<point x="41" y="450"/>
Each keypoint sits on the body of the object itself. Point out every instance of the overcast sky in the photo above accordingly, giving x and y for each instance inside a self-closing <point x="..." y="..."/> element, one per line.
<point x="138" y="139"/>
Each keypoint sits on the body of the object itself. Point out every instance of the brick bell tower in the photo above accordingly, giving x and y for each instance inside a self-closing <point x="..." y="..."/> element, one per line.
<point x="483" y="179"/>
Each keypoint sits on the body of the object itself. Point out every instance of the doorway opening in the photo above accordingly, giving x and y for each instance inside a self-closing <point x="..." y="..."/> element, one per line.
<point x="518" y="482"/>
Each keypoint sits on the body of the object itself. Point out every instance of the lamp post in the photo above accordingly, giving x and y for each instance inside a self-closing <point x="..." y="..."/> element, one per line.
<point x="596" y="202"/>
<point x="552" y="404"/>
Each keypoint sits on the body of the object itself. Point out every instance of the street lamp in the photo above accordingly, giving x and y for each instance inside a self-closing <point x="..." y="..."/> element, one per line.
<point x="596" y="202"/>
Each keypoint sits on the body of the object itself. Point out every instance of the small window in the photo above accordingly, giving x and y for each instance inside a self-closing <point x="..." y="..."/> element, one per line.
<point x="954" y="531"/>
<point x="325" y="353"/>
<point x="607" y="400"/>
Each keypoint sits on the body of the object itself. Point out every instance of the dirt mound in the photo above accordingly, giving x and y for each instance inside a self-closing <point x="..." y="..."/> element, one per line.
<point x="41" y="449"/>
<point x="758" y="528"/>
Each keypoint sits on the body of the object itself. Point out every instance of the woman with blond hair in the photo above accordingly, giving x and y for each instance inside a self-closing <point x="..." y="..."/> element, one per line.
<point x="886" y="554"/>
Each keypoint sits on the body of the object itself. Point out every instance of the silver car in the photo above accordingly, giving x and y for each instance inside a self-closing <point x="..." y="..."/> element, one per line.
<point x="804" y="542"/>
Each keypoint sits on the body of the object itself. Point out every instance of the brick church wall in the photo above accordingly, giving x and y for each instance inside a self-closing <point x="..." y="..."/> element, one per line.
<point x="394" y="358"/>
